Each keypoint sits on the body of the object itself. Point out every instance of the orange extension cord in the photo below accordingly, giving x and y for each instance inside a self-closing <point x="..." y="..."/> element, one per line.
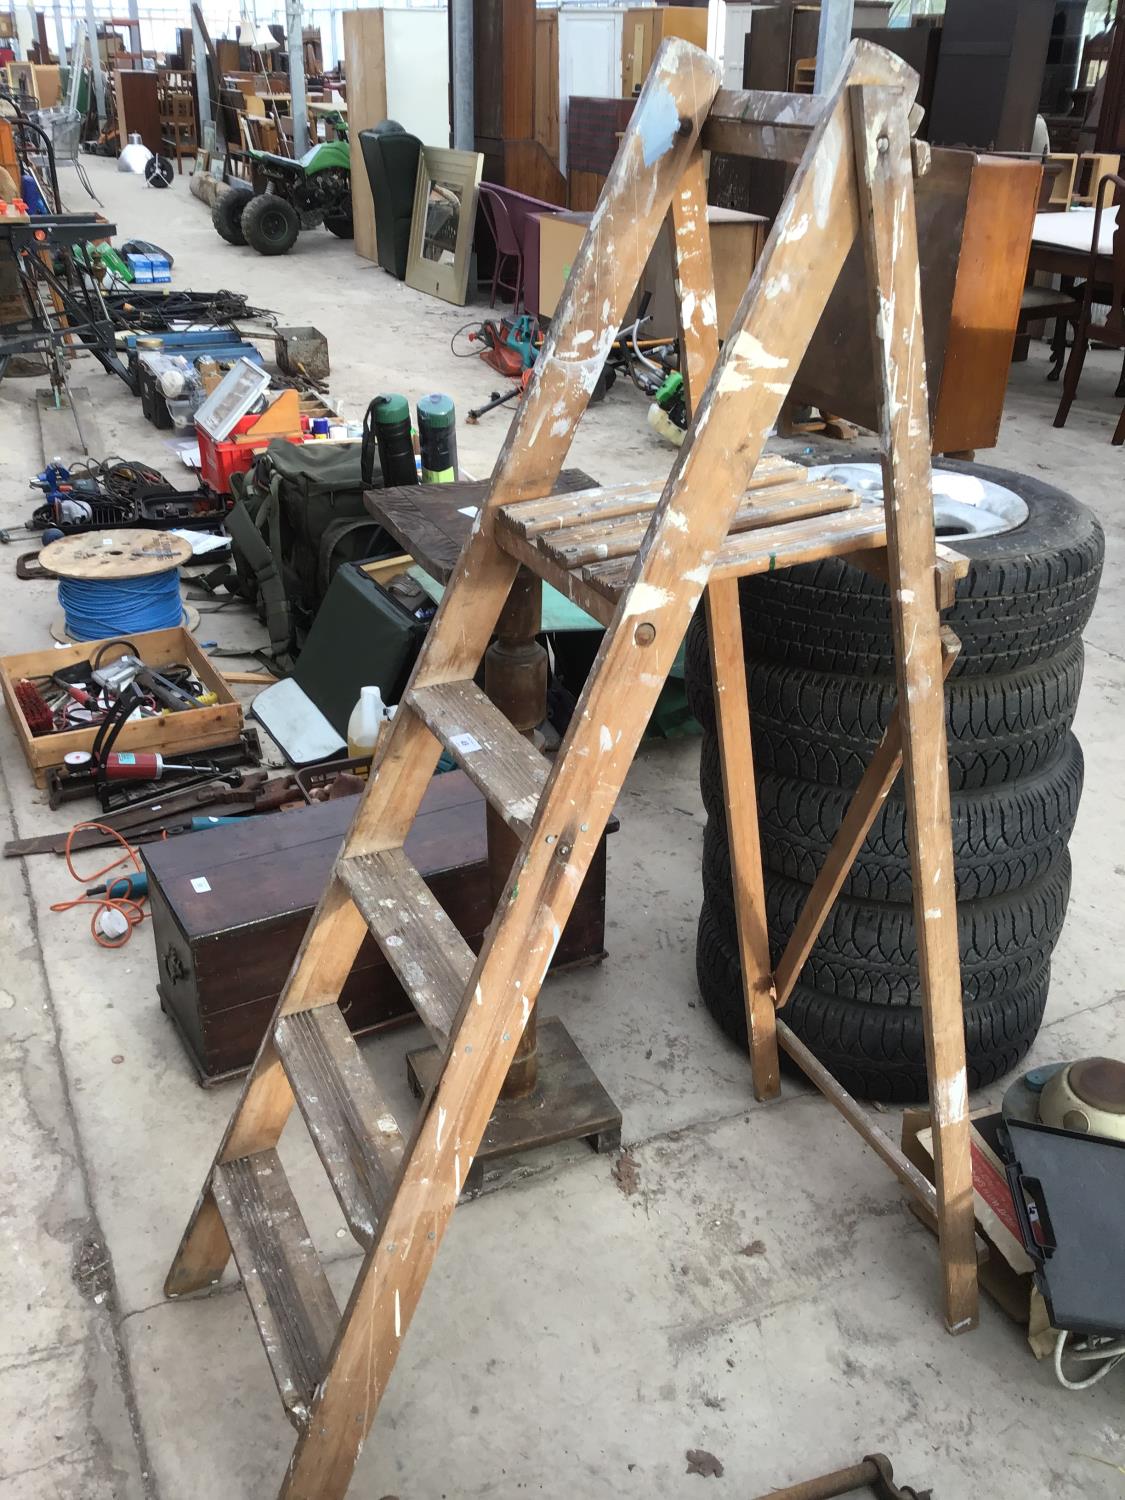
<point x="133" y="911"/>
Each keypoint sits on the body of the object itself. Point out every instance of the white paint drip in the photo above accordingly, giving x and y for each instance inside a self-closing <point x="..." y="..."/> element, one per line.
<point x="398" y="1315"/>
<point x="457" y="1174"/>
<point x="953" y="1101"/>
<point x="644" y="598"/>
<point x="677" y="519"/>
<point x="826" y="172"/>
<point x="906" y="596"/>
<point x="933" y="913"/>
<point x="605" y="740"/>
<point x="440" y="1128"/>
<point x="747" y="356"/>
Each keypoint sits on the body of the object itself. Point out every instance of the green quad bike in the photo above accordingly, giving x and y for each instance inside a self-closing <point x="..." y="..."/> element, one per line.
<point x="286" y="196"/>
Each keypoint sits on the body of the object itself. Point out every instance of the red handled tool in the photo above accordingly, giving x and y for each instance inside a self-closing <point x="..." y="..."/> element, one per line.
<point x="145" y="765"/>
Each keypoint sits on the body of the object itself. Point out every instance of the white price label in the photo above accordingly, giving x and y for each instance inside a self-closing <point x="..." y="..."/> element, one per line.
<point x="464" y="742"/>
<point x="201" y="885"/>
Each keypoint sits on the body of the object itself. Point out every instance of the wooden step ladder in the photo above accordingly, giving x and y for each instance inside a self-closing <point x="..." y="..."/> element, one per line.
<point x="640" y="560"/>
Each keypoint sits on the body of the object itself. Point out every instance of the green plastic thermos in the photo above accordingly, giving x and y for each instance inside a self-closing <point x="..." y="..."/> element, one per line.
<point x="437" y="438"/>
<point x="391" y="418"/>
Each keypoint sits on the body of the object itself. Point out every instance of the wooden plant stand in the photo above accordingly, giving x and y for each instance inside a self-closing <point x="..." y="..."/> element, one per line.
<point x="641" y="561"/>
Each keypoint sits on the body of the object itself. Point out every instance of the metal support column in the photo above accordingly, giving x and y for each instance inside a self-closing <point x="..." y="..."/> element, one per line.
<point x="832" y="40"/>
<point x="202" y="84"/>
<point x="60" y="35"/>
<point x="135" y="27"/>
<point x="299" y="102"/>
<point x="96" y="64"/>
<point x="461" y="74"/>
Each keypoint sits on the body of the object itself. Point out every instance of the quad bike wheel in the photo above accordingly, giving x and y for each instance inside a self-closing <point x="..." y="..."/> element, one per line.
<point x="271" y="224"/>
<point x="340" y="225"/>
<point x="226" y="215"/>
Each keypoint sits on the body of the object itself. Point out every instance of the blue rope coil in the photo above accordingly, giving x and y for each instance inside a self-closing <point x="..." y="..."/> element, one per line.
<point x="120" y="606"/>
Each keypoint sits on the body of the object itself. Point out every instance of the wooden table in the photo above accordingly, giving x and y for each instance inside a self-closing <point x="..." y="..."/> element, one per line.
<point x="1060" y="243"/>
<point x="551" y="1093"/>
<point x="1060" y="246"/>
<point x="433" y="521"/>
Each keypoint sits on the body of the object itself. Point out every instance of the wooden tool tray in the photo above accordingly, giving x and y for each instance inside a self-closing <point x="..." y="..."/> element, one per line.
<point x="170" y="734"/>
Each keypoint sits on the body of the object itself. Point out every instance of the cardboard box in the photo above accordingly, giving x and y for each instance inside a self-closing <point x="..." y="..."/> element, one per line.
<point x="194" y="729"/>
<point x="560" y="236"/>
<point x="736" y="243"/>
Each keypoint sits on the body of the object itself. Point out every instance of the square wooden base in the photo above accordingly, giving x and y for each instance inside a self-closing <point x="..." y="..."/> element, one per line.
<point x="568" y="1103"/>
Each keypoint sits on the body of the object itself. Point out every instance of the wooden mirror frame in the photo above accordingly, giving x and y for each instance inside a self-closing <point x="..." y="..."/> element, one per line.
<point x="461" y="169"/>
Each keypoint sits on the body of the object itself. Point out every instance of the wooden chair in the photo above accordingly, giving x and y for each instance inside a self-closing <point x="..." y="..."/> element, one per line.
<point x="1095" y="291"/>
<point x="177" y="117"/>
<point x="1040" y="303"/>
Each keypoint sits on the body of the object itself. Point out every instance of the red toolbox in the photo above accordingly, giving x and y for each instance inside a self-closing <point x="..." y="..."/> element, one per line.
<point x="218" y="461"/>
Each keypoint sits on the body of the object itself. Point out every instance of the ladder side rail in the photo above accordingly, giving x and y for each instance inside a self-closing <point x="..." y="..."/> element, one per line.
<point x="661" y="135"/>
<point x="890" y="239"/>
<point x="699" y="353"/>
<point x="631" y="210"/>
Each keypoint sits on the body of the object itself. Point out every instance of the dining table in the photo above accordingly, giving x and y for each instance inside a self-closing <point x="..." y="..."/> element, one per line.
<point x="1061" y="243"/>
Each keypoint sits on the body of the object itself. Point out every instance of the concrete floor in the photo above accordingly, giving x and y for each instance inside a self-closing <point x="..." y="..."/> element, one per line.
<point x="573" y="1341"/>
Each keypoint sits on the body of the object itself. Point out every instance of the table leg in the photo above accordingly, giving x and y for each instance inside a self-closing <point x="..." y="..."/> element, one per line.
<point x="551" y="1093"/>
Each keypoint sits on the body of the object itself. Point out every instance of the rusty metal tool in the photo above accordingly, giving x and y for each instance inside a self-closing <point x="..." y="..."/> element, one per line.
<point x="873" y="1473"/>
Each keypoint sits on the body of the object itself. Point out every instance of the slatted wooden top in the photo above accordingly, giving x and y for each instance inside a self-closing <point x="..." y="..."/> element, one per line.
<point x="585" y="542"/>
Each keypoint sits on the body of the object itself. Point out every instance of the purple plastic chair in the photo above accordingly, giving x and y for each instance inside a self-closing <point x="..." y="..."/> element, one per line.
<point x="508" y="246"/>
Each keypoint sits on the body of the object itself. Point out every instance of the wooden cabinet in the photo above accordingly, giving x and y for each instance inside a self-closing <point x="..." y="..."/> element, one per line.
<point x="365" y="67"/>
<point x="975" y="217"/>
<point x="990" y="73"/>
<point x="643" y="31"/>
<point x="138" y="107"/>
<point x="515" y="73"/>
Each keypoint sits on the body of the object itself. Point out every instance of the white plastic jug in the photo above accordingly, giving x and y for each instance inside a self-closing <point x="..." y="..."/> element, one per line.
<point x="366" y="722"/>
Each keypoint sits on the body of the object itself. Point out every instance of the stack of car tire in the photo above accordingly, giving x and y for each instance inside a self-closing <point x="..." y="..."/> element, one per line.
<point x="821" y="681"/>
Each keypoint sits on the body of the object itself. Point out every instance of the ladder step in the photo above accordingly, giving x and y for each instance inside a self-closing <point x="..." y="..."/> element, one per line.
<point x="285" y="1283"/>
<point x="432" y="960"/>
<point x="530" y="518"/>
<point x="779" y="505"/>
<point x="855" y="528"/>
<point x="355" y="1135"/>
<point x="507" y="768"/>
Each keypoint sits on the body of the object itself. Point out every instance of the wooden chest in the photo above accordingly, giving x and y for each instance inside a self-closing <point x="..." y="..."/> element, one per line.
<point x="230" y="906"/>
